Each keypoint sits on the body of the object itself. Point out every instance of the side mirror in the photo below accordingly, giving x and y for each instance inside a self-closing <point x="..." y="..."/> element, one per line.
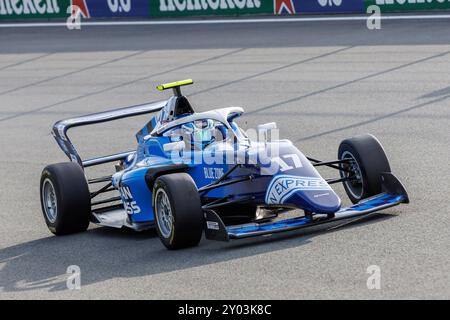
<point x="265" y="130"/>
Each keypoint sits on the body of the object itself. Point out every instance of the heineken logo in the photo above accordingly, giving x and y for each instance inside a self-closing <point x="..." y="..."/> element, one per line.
<point x="405" y="5"/>
<point x="206" y="5"/>
<point x="29" y="7"/>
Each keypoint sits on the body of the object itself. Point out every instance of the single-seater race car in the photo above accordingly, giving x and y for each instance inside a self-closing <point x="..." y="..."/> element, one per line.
<point x="200" y="172"/>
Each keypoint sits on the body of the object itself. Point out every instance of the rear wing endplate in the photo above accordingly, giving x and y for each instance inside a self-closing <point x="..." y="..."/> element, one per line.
<point x="61" y="128"/>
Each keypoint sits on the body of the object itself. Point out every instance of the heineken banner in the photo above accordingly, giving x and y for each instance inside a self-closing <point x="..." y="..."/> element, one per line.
<point x="22" y="9"/>
<point x="172" y="8"/>
<point x="46" y="9"/>
<point x="409" y="5"/>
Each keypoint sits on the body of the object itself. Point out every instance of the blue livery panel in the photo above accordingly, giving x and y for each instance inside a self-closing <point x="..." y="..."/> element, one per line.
<point x="136" y="196"/>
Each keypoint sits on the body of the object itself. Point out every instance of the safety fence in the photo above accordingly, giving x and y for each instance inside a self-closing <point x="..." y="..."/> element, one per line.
<point x="49" y="9"/>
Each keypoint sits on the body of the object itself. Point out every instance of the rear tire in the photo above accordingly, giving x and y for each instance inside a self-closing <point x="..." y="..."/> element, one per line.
<point x="65" y="198"/>
<point x="368" y="162"/>
<point x="178" y="211"/>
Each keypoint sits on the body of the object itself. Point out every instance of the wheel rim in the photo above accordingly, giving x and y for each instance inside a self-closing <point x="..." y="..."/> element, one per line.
<point x="50" y="202"/>
<point x="354" y="186"/>
<point x="164" y="213"/>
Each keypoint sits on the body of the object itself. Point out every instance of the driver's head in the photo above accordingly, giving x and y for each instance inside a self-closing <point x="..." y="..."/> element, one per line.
<point x="201" y="132"/>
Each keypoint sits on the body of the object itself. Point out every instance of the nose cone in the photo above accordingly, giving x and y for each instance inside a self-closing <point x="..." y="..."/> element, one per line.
<point x="313" y="194"/>
<point x="324" y="201"/>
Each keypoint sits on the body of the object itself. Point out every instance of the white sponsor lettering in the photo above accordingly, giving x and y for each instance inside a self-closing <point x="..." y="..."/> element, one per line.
<point x="213" y="225"/>
<point x="129" y="204"/>
<point x="213" y="173"/>
<point x="283" y="186"/>
<point x="119" y="5"/>
<point x="27" y="7"/>
<point x="197" y="5"/>
<point x="330" y="3"/>
<point x="321" y="195"/>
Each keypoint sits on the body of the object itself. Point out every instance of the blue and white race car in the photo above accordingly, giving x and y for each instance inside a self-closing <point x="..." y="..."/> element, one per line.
<point x="200" y="172"/>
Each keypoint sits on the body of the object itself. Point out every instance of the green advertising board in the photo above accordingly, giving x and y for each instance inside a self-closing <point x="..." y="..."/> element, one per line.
<point x="408" y="5"/>
<point x="174" y="8"/>
<point x="34" y="9"/>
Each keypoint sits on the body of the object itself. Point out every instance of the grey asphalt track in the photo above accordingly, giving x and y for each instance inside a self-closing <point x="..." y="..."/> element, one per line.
<point x="320" y="81"/>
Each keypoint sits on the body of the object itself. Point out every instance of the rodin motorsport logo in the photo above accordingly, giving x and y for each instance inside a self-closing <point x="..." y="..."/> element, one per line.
<point x="209" y="7"/>
<point x="407" y="5"/>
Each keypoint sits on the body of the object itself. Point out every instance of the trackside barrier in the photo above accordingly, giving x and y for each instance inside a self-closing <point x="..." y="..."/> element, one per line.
<point x="61" y="9"/>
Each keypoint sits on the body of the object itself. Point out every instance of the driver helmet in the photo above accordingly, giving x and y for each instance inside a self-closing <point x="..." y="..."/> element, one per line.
<point x="201" y="132"/>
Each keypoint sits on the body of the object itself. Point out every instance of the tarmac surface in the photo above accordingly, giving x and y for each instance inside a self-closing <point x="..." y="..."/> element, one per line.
<point x="320" y="81"/>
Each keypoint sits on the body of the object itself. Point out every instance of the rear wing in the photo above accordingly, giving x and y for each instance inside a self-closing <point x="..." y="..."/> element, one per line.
<point x="61" y="128"/>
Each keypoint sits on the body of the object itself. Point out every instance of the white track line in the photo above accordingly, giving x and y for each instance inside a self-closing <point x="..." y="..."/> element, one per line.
<point x="222" y="21"/>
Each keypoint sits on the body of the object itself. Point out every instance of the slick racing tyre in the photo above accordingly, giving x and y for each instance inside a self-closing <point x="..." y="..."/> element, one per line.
<point x="367" y="160"/>
<point x="65" y="198"/>
<point x="178" y="211"/>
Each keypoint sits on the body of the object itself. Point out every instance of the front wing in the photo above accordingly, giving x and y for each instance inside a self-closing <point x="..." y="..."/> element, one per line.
<point x="393" y="194"/>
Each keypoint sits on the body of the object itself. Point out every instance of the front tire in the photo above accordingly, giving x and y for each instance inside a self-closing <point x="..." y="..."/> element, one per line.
<point x="178" y="211"/>
<point x="367" y="160"/>
<point x="65" y="198"/>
